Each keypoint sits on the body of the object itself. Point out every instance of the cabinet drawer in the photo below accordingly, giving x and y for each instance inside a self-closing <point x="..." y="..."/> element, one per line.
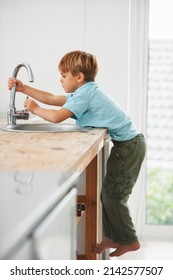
<point x="55" y="237"/>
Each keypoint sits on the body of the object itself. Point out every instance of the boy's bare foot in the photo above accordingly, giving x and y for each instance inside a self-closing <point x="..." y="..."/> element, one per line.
<point x="106" y="243"/>
<point x="122" y="249"/>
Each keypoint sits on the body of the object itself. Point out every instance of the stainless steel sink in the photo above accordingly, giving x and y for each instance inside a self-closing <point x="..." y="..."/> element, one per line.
<point x="45" y="127"/>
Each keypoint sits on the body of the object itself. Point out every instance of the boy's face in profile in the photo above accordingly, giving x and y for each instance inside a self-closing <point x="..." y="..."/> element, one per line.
<point x="70" y="83"/>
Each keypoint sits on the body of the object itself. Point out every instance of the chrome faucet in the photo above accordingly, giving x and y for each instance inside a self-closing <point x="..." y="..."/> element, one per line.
<point x="12" y="114"/>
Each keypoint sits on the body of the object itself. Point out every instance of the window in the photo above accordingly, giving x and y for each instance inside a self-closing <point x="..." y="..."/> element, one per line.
<point x="159" y="203"/>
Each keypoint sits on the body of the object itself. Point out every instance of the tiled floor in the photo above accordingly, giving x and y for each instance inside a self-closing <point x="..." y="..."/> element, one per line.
<point x="150" y="250"/>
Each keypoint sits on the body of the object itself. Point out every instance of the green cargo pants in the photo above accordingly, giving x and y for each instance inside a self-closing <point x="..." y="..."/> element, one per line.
<point x="123" y="167"/>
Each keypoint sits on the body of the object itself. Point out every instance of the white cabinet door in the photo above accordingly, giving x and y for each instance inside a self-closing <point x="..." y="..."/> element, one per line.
<point x="55" y="237"/>
<point x="24" y="251"/>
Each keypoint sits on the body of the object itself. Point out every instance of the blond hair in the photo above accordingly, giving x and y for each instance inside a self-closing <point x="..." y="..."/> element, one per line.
<point x="79" y="61"/>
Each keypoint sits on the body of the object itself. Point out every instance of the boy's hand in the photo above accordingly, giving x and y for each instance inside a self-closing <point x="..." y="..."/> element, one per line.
<point x="19" y="85"/>
<point x="30" y="105"/>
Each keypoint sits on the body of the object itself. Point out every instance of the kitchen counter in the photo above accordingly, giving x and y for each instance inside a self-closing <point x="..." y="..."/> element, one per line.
<point x="36" y="170"/>
<point x="56" y="152"/>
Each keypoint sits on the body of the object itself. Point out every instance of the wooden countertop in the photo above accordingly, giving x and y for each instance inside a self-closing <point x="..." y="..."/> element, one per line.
<point x="56" y="152"/>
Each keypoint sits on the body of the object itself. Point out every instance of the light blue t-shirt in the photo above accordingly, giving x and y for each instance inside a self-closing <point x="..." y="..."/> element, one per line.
<point x="91" y="107"/>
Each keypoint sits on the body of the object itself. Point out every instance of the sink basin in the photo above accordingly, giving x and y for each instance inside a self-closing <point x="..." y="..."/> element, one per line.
<point x="45" y="127"/>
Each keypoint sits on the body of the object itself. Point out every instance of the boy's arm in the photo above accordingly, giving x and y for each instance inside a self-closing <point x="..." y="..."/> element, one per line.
<point x="40" y="95"/>
<point x="50" y="115"/>
<point x="44" y="96"/>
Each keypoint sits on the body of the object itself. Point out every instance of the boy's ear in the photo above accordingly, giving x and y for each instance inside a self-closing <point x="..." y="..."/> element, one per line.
<point x="80" y="77"/>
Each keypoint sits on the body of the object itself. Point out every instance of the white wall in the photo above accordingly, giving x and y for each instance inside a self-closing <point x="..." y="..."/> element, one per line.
<point x="107" y="37"/>
<point x="40" y="32"/>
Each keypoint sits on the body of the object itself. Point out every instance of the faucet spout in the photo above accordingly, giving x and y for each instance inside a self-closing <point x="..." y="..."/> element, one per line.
<point x="28" y="68"/>
<point x="12" y="113"/>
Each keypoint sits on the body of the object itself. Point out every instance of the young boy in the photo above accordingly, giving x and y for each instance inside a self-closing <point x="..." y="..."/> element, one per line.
<point x="87" y="104"/>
